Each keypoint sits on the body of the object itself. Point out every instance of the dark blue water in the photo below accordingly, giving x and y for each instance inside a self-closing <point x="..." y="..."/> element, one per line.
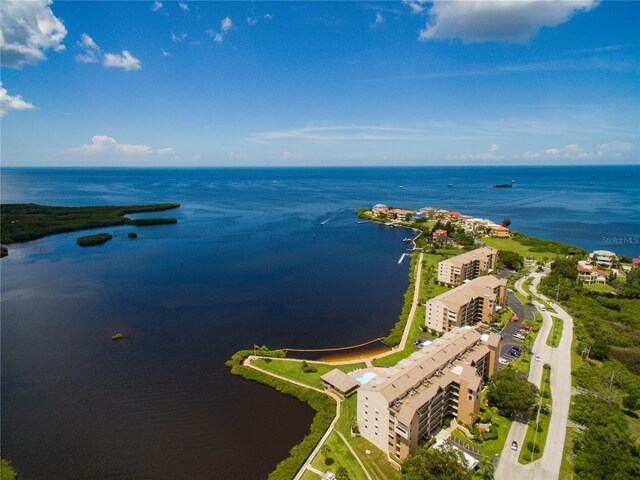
<point x="248" y="262"/>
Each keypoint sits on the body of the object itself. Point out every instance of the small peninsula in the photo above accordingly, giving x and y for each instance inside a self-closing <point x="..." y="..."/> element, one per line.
<point x="22" y="222"/>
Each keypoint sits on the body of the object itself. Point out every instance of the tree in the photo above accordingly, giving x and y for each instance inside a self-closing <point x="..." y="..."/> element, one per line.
<point x="512" y="394"/>
<point x="342" y="473"/>
<point x="486" y="469"/>
<point x="325" y="450"/>
<point x="506" y="222"/>
<point x="511" y="260"/>
<point x="631" y="402"/>
<point x="436" y="464"/>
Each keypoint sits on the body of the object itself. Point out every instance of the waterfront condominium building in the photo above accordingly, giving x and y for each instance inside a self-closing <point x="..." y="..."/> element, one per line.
<point x="410" y="401"/>
<point x="472" y="302"/>
<point x="467" y="266"/>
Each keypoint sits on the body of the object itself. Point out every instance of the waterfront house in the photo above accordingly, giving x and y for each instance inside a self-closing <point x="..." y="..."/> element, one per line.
<point x="590" y="275"/>
<point x="499" y="231"/>
<point x="604" y="258"/>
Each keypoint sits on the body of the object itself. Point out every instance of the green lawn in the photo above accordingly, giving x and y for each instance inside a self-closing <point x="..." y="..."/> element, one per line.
<point x="566" y="468"/>
<point x="339" y="455"/>
<point x="553" y="340"/>
<point x="500" y="424"/>
<point x="600" y="288"/>
<point x="376" y="463"/>
<point x="309" y="475"/>
<point x="540" y="438"/>
<point x="514" y="246"/>
<point x="293" y="369"/>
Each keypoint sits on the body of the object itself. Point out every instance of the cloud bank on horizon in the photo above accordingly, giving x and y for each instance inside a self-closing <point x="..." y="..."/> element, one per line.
<point x="483" y="81"/>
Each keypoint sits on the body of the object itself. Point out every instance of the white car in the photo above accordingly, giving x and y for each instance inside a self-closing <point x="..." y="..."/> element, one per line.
<point x="503" y="361"/>
<point x="537" y="358"/>
<point x="542" y="308"/>
<point x="520" y="336"/>
<point x="514" y="445"/>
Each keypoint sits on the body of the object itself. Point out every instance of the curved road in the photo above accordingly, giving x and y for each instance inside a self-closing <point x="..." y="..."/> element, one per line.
<point x="548" y="467"/>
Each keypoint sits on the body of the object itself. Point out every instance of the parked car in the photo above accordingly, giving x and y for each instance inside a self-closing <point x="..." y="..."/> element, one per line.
<point x="537" y="358"/>
<point x="519" y="335"/>
<point x="514" y="445"/>
<point x="542" y="308"/>
<point x="503" y="361"/>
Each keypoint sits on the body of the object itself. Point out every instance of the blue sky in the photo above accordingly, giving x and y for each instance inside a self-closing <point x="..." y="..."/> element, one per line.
<point x="304" y="83"/>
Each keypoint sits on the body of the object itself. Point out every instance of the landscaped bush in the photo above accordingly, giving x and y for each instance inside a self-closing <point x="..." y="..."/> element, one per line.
<point x="533" y="447"/>
<point x="526" y="456"/>
<point x="306" y="368"/>
<point x="486" y="416"/>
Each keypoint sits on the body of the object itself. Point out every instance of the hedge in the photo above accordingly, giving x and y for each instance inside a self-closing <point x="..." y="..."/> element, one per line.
<point x="324" y="405"/>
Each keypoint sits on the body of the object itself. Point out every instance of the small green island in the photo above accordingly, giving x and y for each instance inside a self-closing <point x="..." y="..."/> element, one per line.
<point x="22" y="222"/>
<point x="94" y="240"/>
<point x="117" y="336"/>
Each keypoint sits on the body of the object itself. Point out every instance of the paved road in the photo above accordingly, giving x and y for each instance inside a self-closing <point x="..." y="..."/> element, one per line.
<point x="548" y="467"/>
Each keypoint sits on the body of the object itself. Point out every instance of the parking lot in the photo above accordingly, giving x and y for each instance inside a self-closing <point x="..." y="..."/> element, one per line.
<point x="511" y="328"/>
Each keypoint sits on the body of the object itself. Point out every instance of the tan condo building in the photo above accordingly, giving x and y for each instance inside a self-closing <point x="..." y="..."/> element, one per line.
<point x="467" y="266"/>
<point x="411" y="401"/>
<point x="472" y="302"/>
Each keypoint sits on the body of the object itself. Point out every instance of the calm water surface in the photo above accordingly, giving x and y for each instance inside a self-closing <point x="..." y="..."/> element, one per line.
<point x="248" y="262"/>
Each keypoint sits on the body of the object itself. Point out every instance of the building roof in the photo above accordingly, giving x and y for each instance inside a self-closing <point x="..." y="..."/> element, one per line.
<point x="408" y="374"/>
<point x="477" y="254"/>
<point x="635" y="261"/>
<point x="340" y="380"/>
<point x="603" y="253"/>
<point x="499" y="228"/>
<point x="478" y="287"/>
<point x="440" y="232"/>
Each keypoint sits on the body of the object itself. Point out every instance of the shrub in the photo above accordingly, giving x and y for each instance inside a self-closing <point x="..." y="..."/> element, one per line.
<point x="526" y="456"/>
<point x="447" y="423"/>
<point x="539" y="427"/>
<point x="533" y="447"/>
<point x="306" y="368"/>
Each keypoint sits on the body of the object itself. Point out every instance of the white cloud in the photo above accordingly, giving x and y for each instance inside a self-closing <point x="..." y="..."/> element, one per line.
<point x="124" y="60"/>
<point x="497" y="20"/>
<point x="493" y="147"/>
<point x="156" y="6"/>
<point x="573" y="151"/>
<point x="27" y="30"/>
<point x="10" y="103"/>
<point x="165" y="53"/>
<point x="226" y="24"/>
<point x="91" y="50"/>
<point x="252" y="21"/>
<point x="178" y="38"/>
<point x="416" y="6"/>
<point x="183" y="6"/>
<point x="344" y="133"/>
<point x="267" y="16"/>
<point x="378" y="21"/>
<point x="105" y="144"/>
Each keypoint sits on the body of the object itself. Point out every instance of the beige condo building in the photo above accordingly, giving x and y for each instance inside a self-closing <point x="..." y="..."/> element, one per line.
<point x="472" y="302"/>
<point x="413" y="398"/>
<point x="467" y="266"/>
